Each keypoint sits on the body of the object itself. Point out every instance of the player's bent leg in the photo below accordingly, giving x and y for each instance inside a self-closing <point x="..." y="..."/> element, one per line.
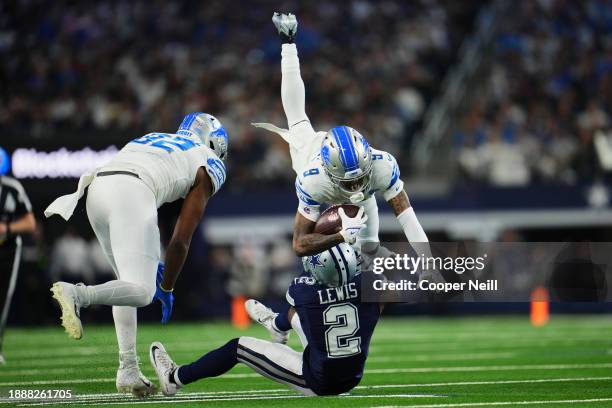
<point x="277" y="362"/>
<point x="135" y="244"/>
<point x="127" y="231"/>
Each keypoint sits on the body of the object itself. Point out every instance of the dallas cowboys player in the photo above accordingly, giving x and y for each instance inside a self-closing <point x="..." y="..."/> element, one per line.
<point x="122" y="204"/>
<point x="334" y="326"/>
<point x="335" y="167"/>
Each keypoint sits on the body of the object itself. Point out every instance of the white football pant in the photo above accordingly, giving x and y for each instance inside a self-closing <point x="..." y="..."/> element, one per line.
<point x="275" y="361"/>
<point x="122" y="211"/>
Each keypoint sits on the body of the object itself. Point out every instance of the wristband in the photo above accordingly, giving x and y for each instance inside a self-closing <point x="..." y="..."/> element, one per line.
<point x="165" y="290"/>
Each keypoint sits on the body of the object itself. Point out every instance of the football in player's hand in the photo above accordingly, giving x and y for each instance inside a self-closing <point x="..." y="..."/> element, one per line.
<point x="329" y="222"/>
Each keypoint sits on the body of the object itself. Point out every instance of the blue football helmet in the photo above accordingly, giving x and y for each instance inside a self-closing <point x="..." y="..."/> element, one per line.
<point x="334" y="267"/>
<point x="208" y="130"/>
<point x="347" y="160"/>
<point x="5" y="162"/>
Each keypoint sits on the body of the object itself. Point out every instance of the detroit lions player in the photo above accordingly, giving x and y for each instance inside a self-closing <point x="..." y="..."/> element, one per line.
<point x="334" y="326"/>
<point x="335" y="167"/>
<point x="122" y="204"/>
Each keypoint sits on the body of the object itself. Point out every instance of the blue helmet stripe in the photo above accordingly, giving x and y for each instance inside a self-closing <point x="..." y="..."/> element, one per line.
<point x="339" y="144"/>
<point x="348" y="156"/>
<point x="188" y="121"/>
<point x="353" y="152"/>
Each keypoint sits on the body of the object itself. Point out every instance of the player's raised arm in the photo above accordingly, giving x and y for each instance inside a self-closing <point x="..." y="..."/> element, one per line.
<point x="293" y="93"/>
<point x="188" y="220"/>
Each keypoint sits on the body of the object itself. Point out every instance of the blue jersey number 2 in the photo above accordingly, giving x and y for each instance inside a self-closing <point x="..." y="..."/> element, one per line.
<point x="165" y="141"/>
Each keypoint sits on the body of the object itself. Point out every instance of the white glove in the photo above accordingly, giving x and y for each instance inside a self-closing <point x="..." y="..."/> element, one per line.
<point x="351" y="226"/>
<point x="286" y="25"/>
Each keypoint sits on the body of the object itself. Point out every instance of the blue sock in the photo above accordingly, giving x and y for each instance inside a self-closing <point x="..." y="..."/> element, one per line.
<point x="282" y="322"/>
<point x="212" y="364"/>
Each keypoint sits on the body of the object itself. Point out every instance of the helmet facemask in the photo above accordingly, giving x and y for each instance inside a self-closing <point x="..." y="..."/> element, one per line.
<point x="355" y="185"/>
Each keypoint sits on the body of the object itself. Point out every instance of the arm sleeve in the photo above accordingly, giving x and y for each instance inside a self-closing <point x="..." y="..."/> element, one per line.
<point x="217" y="173"/>
<point x="293" y="93"/>
<point x="307" y="205"/>
<point x="394" y="184"/>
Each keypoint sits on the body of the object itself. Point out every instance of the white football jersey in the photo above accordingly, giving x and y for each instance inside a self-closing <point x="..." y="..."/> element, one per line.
<point x="314" y="188"/>
<point x="168" y="164"/>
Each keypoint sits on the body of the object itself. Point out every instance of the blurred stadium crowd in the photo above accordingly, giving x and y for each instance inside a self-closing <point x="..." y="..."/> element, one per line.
<point x="137" y="66"/>
<point x="547" y="89"/>
<point x="92" y="69"/>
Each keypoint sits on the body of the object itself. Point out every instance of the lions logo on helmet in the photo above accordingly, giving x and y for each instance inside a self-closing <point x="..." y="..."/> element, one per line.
<point x="207" y="129"/>
<point x="347" y="160"/>
<point x="334" y="267"/>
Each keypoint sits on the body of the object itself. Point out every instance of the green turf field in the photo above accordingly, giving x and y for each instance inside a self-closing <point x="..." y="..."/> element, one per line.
<point x="464" y="362"/>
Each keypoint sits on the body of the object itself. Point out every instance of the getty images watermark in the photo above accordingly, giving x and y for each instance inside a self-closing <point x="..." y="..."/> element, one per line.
<point x="487" y="272"/>
<point x="434" y="265"/>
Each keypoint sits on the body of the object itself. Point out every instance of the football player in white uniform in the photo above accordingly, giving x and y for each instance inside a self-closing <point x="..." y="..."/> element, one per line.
<point x="335" y="167"/>
<point x="122" y="204"/>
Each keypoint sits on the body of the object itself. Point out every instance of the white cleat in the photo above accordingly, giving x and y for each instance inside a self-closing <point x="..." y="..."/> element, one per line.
<point x="265" y="316"/>
<point x="164" y="367"/>
<point x="131" y="381"/>
<point x="65" y="295"/>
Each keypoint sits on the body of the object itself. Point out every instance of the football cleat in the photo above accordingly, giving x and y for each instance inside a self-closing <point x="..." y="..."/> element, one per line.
<point x="66" y="296"/>
<point x="265" y="316"/>
<point x="286" y="25"/>
<point x="164" y="367"/>
<point x="130" y="379"/>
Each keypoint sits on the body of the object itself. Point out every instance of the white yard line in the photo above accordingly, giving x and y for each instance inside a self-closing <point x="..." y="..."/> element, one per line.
<point x="77" y="352"/>
<point x="415" y="385"/>
<point x="272" y="397"/>
<point x="6" y="373"/>
<point x="500" y="403"/>
<point x="441" y="357"/>
<point x="85" y="360"/>
<point x="488" y="368"/>
<point x="195" y="398"/>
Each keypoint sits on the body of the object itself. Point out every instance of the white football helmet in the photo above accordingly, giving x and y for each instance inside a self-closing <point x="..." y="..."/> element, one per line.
<point x="334" y="267"/>
<point x="208" y="130"/>
<point x="347" y="160"/>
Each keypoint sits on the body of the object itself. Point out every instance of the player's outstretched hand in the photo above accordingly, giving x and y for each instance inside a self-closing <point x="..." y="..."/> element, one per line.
<point x="352" y="226"/>
<point x="286" y="25"/>
<point x="165" y="297"/>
